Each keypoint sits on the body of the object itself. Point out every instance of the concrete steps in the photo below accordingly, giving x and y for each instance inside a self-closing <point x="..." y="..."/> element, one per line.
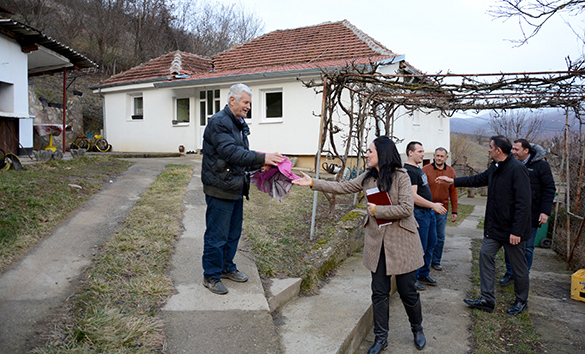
<point x="334" y="321"/>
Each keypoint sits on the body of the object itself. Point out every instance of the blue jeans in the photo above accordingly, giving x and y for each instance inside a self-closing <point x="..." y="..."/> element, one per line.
<point x="223" y="220"/>
<point x="441" y="226"/>
<point x="529" y="253"/>
<point x="427" y="230"/>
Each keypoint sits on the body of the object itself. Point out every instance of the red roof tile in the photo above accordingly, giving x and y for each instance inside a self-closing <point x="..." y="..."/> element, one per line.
<point x="332" y="44"/>
<point x="313" y="44"/>
<point x="163" y="68"/>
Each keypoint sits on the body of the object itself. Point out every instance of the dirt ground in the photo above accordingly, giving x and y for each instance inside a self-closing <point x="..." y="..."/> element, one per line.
<point x="558" y="320"/>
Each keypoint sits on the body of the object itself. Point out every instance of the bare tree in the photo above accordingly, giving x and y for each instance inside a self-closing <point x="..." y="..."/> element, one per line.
<point x="516" y="124"/>
<point x="534" y="14"/>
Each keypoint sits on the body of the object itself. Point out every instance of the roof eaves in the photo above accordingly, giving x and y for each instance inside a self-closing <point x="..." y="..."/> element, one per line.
<point x="134" y="82"/>
<point x="30" y="34"/>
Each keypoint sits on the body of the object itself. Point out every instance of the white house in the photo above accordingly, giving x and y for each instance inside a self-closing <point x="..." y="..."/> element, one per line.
<point x="24" y="52"/>
<point x="167" y="101"/>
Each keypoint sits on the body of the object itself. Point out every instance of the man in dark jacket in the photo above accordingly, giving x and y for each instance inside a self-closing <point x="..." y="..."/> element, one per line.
<point x="507" y="222"/>
<point x="543" y="188"/>
<point x="226" y="162"/>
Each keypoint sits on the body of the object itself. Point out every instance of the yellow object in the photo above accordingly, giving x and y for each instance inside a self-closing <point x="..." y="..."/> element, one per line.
<point x="578" y="285"/>
<point x="51" y="146"/>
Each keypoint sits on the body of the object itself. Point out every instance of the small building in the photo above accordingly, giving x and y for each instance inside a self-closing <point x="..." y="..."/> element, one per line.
<point x="167" y="102"/>
<point x="26" y="52"/>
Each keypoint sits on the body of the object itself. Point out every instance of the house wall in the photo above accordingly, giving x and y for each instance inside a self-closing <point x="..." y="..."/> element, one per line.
<point x="155" y="132"/>
<point x="296" y="134"/>
<point x="13" y="88"/>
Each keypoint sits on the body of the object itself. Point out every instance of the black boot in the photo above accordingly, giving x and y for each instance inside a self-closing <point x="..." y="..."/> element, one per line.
<point x="381" y="307"/>
<point x="415" y="318"/>
<point x="378" y="347"/>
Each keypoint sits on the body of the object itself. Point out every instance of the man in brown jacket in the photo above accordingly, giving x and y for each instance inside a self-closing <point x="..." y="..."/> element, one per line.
<point x="441" y="193"/>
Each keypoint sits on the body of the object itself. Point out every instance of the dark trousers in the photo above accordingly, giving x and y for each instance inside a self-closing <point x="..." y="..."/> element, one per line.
<point x="381" y="286"/>
<point x="224" y="227"/>
<point x="487" y="268"/>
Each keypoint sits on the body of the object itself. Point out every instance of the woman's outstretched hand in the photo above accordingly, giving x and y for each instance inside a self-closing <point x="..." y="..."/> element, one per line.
<point x="306" y="181"/>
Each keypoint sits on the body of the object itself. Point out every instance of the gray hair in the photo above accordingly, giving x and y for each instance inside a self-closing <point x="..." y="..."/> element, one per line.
<point x="442" y="149"/>
<point x="236" y="92"/>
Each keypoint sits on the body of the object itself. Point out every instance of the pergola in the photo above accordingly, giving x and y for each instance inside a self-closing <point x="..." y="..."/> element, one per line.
<point x="374" y="98"/>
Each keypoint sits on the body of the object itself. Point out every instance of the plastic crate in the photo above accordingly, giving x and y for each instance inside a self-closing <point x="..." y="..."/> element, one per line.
<point x="578" y="285"/>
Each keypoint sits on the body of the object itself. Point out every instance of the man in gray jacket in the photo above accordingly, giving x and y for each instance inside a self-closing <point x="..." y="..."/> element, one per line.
<point x="224" y="173"/>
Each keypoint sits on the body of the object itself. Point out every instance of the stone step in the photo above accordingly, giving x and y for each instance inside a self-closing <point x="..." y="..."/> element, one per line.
<point x="334" y="321"/>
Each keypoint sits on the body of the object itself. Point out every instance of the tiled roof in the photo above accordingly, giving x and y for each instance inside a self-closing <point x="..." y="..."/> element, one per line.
<point x="162" y="68"/>
<point x="331" y="44"/>
<point x="305" y="45"/>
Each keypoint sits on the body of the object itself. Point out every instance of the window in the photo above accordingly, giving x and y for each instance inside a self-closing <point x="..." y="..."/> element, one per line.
<point x="6" y="97"/>
<point x="182" y="111"/>
<point x="137" y="107"/>
<point x="273" y="104"/>
<point x="209" y="104"/>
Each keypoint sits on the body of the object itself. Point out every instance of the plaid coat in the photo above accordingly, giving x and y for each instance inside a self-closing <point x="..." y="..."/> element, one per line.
<point x="402" y="246"/>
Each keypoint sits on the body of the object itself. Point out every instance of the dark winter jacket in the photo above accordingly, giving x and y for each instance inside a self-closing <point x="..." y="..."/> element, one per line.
<point x="226" y="157"/>
<point x="508" y="203"/>
<point x="542" y="183"/>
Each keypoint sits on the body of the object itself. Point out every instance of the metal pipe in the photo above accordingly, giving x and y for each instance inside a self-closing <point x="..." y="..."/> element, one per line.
<point x="64" y="105"/>
<point x="318" y="161"/>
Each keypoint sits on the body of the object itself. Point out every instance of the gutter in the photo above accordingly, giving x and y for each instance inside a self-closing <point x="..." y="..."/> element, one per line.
<point x="125" y="83"/>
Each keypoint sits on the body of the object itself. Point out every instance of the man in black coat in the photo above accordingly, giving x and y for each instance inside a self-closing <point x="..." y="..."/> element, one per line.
<point x="507" y="222"/>
<point x="226" y="162"/>
<point x="543" y="188"/>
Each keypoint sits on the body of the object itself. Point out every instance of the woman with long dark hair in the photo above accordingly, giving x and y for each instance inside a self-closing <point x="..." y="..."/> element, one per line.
<point x="393" y="248"/>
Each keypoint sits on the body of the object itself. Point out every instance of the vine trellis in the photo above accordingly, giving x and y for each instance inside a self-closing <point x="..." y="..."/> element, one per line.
<point x="370" y="100"/>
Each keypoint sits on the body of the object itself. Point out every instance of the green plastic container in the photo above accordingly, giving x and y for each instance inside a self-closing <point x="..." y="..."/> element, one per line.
<point x="540" y="234"/>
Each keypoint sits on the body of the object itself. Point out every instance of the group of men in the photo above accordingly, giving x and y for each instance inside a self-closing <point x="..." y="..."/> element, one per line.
<point x="521" y="190"/>
<point x="520" y="195"/>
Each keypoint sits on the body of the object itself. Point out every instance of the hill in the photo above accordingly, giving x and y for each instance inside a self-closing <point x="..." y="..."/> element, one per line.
<point x="553" y="123"/>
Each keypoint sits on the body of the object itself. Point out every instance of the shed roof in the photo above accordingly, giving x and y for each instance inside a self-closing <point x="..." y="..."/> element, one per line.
<point x="40" y="61"/>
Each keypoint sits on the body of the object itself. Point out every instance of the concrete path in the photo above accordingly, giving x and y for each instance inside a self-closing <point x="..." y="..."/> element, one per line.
<point x="335" y="321"/>
<point x="31" y="289"/>
<point x="199" y="321"/>
<point x="446" y="320"/>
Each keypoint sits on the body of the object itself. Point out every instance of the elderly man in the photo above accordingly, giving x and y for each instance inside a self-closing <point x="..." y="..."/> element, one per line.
<point x="441" y="193"/>
<point x="507" y="222"/>
<point x="543" y="188"/>
<point x="224" y="173"/>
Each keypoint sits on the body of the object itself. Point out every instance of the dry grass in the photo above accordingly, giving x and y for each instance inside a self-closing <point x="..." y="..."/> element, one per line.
<point x="498" y="332"/>
<point x="36" y="199"/>
<point x="115" y="309"/>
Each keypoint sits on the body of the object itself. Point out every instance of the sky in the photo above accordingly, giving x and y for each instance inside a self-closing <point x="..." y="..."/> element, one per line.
<point x="456" y="36"/>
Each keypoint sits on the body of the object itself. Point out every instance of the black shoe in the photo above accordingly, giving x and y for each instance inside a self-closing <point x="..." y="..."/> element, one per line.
<point x="428" y="281"/>
<point x="378" y="346"/>
<point x="437" y="267"/>
<point x="518" y="307"/>
<point x="419" y="338"/>
<point x="419" y="286"/>
<point x="507" y="279"/>
<point x="481" y="304"/>
<point x="215" y="286"/>
<point x="236" y="276"/>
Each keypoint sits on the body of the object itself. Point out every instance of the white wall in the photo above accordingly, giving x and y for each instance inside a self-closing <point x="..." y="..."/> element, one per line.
<point x="155" y="132"/>
<point x="297" y="133"/>
<point x="14" y="72"/>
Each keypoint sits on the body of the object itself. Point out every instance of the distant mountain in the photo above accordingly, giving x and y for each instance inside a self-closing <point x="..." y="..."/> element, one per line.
<point x="554" y="123"/>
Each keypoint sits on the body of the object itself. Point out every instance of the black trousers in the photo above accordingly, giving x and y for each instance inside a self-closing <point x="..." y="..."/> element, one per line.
<point x="381" y="286"/>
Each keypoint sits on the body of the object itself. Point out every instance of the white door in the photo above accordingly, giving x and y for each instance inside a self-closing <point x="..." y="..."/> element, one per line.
<point x="209" y="104"/>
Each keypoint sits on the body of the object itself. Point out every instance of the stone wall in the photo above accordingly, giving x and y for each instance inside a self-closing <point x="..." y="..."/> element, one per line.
<point x="50" y="111"/>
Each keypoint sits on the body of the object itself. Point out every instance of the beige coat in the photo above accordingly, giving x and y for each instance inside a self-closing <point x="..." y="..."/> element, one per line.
<point x="402" y="246"/>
